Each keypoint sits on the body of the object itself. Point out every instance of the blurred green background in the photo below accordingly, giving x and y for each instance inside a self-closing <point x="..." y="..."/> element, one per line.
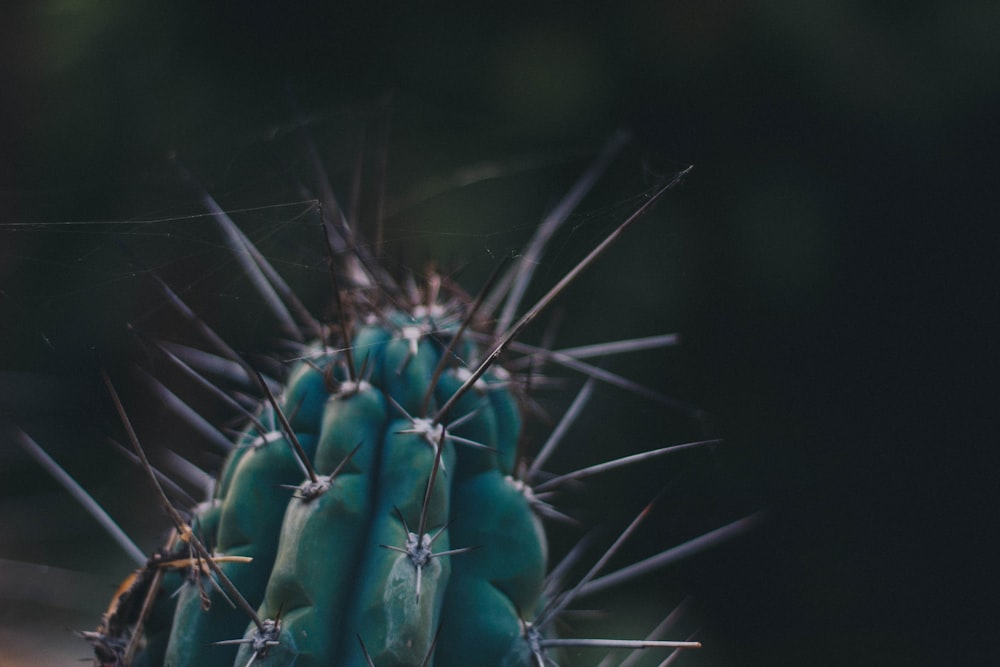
<point x="815" y="260"/>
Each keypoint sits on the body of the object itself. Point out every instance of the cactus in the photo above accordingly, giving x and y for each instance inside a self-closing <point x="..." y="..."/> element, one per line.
<point x="377" y="507"/>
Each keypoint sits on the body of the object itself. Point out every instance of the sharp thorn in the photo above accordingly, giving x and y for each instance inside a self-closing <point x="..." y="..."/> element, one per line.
<point x="466" y="322"/>
<point x="523" y="271"/>
<point x="670" y="556"/>
<point x="618" y="643"/>
<point x="289" y="432"/>
<point x="620" y="462"/>
<point x="179" y="523"/>
<point x="603" y="349"/>
<point x="187" y="414"/>
<point x="249" y="258"/>
<point x="559" y="603"/>
<point x="81" y="496"/>
<point x="657" y="633"/>
<point x="364" y="651"/>
<point x="174" y="487"/>
<point x="345" y="329"/>
<point x="574" y="410"/>
<point x="204" y="382"/>
<point x="557" y="290"/>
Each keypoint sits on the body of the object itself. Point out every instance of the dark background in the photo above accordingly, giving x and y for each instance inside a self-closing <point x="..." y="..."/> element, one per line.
<point x="817" y="259"/>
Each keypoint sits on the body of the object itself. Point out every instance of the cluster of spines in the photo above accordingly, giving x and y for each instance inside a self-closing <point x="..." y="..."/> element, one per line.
<point x="464" y="499"/>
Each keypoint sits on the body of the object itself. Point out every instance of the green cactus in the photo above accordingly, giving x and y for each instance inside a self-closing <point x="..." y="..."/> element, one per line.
<point x="376" y="509"/>
<point x="336" y="556"/>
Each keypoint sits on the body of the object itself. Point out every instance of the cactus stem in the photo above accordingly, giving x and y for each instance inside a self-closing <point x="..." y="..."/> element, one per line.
<point x="357" y="587"/>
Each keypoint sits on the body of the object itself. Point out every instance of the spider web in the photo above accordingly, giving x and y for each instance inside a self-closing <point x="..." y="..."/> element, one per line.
<point x="75" y="282"/>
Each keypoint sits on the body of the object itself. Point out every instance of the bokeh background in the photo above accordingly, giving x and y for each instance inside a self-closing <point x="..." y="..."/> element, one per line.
<point x="816" y="261"/>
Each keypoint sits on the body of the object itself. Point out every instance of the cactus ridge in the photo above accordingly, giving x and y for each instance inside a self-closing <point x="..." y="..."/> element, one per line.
<point x="380" y="474"/>
<point x="376" y="509"/>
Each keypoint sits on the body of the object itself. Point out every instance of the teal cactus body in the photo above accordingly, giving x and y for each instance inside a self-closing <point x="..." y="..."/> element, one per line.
<point x="380" y="504"/>
<point x="344" y="557"/>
